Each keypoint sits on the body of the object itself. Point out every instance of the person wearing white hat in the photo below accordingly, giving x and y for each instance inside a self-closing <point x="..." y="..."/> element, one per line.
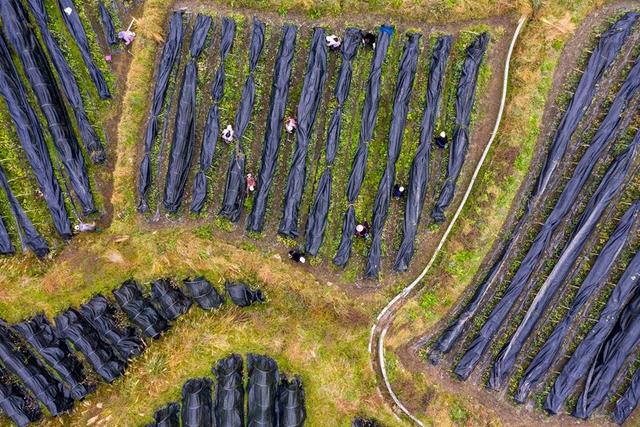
<point x="441" y="140"/>
<point x="333" y="41"/>
<point x="398" y="191"/>
<point x="227" y="134"/>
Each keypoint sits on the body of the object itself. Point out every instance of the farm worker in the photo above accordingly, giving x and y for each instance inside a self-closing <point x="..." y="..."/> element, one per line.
<point x="333" y="41"/>
<point x="290" y="124"/>
<point x="362" y="230"/>
<point x="227" y="134"/>
<point x="369" y="40"/>
<point x="251" y="183"/>
<point x="84" y="227"/>
<point x="441" y="140"/>
<point x="127" y="35"/>
<point x="68" y="11"/>
<point x="398" y="191"/>
<point x="297" y="256"/>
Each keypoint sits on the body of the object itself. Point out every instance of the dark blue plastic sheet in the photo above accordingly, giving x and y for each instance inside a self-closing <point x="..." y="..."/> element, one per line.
<point x="234" y="190"/>
<point x="140" y="310"/>
<point x="242" y="295"/>
<point x="79" y="35"/>
<point x="16" y="402"/>
<point x="317" y="221"/>
<point x="6" y="247"/>
<point x="184" y="134"/>
<point x="367" y="126"/>
<point x="212" y="127"/>
<point x="229" y="401"/>
<point x="419" y="174"/>
<point x="197" y="406"/>
<point x="107" y="25"/>
<point x="628" y="401"/>
<point x="203" y="293"/>
<point x="315" y="78"/>
<point x="465" y="98"/>
<point x="402" y="96"/>
<point x="273" y="134"/>
<point x="169" y="54"/>
<point x="169" y="299"/>
<point x="262" y="390"/>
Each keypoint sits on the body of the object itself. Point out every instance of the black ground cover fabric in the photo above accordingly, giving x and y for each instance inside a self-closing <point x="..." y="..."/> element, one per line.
<point x="69" y="84"/>
<point x="315" y="77"/>
<point x="184" y="134"/>
<point x="242" y="295"/>
<point x="169" y="299"/>
<point x="29" y="236"/>
<point x="170" y="52"/>
<point x="20" y="361"/>
<point x="197" y="405"/>
<point x="212" y="127"/>
<point x="234" y="189"/>
<point x="367" y="126"/>
<point x="16" y="402"/>
<point x="140" y="310"/>
<point x="107" y="25"/>
<point x="273" y="133"/>
<point x="465" y="97"/>
<point x="53" y="349"/>
<point x="262" y="390"/>
<point x="402" y="96"/>
<point x="36" y="67"/>
<point x="600" y="269"/>
<point x="203" y="293"/>
<point x="99" y="353"/>
<point x="317" y="221"/>
<point x="291" y="406"/>
<point x="605" y="135"/>
<point x="167" y="416"/>
<point x="74" y="25"/>
<point x="628" y="401"/>
<point x="6" y="247"/>
<point x="229" y="401"/>
<point x="101" y="314"/>
<point x="419" y="174"/>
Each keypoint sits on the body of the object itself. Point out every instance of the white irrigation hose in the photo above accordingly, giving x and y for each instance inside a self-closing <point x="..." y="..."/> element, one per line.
<point x="413" y="284"/>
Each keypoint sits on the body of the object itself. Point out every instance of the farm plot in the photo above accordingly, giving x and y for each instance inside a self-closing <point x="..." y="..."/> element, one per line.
<point x="349" y="161"/>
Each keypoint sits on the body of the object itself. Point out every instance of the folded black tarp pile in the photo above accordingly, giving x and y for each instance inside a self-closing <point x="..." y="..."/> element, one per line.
<point x="16" y="402"/>
<point x="315" y="78"/>
<point x="242" y="295"/>
<point x="419" y="174"/>
<point x="196" y="403"/>
<point x="35" y="64"/>
<point x="205" y="295"/>
<point x="107" y="25"/>
<point x="601" y="58"/>
<point x="6" y="247"/>
<point x="628" y="401"/>
<point x="169" y="299"/>
<point x="261" y="390"/>
<point x="291" y="406"/>
<point x="367" y="126"/>
<point x="170" y="53"/>
<point x="465" y="98"/>
<point x="317" y="221"/>
<point x="401" y="98"/>
<point x="273" y="133"/>
<point x="229" y="400"/>
<point x="234" y="189"/>
<point x="167" y="416"/>
<point x="184" y="134"/>
<point x="140" y="310"/>
<point x="69" y="84"/>
<point x="74" y="25"/>
<point x="212" y="127"/>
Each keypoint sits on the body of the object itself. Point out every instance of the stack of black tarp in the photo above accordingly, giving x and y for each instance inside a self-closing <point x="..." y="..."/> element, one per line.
<point x="16" y="402"/>
<point x="167" y="416"/>
<point x="197" y="406"/>
<point x="140" y="310"/>
<point x="291" y="407"/>
<point x="203" y="293"/>
<point x="367" y="126"/>
<point x="262" y="389"/>
<point x="242" y="295"/>
<point x="169" y="299"/>
<point x="229" y="401"/>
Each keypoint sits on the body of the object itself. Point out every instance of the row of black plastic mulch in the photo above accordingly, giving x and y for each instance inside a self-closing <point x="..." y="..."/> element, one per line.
<point x="272" y="399"/>
<point x="37" y="362"/>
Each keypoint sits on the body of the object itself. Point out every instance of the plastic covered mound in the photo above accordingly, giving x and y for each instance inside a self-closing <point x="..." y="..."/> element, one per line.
<point x="197" y="406"/>
<point x="107" y="25"/>
<point x="170" y="300"/>
<point x="16" y="402"/>
<point x="167" y="416"/>
<point x="242" y="295"/>
<point x="262" y="391"/>
<point x="140" y="310"/>
<point x="203" y="293"/>
<point x="229" y="401"/>
<point x="628" y="401"/>
<point x="291" y="406"/>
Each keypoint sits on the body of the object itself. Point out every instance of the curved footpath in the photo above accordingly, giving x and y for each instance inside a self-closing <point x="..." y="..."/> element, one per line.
<point x="387" y="315"/>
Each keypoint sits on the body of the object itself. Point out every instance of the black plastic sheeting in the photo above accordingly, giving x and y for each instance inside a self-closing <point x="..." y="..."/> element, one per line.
<point x="464" y="105"/>
<point x="602" y="57"/>
<point x="140" y="310"/>
<point x="367" y="126"/>
<point x="273" y="133"/>
<point x="36" y="67"/>
<point x="628" y="401"/>
<point x="203" y="293"/>
<point x="16" y="402"/>
<point x="184" y="134"/>
<point x="365" y="422"/>
<point x="170" y="53"/>
<point x="317" y="221"/>
<point x="197" y="406"/>
<point x="242" y="295"/>
<point x="229" y="401"/>
<point x="212" y="127"/>
<point x="234" y="189"/>
<point x="601" y="267"/>
<point x="100" y="355"/>
<point x="21" y="362"/>
<point x="610" y="358"/>
<point x="74" y="25"/>
<point x="291" y="406"/>
<point x="401" y="98"/>
<point x="262" y="390"/>
<point x="167" y="416"/>
<point x="6" y="248"/>
<point x="107" y="25"/>
<point x="69" y="84"/>
<point x="54" y="350"/>
<point x="419" y="174"/>
<point x="29" y="236"/>
<point x="610" y="186"/>
<point x="169" y="299"/>
<point x="315" y="78"/>
<point x="605" y="134"/>
<point x="101" y="314"/>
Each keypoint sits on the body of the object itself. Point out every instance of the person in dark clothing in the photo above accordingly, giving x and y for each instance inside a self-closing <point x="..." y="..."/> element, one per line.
<point x="399" y="191"/>
<point x="441" y="140"/>
<point x="369" y="40"/>
<point x="362" y="230"/>
<point x="297" y="256"/>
